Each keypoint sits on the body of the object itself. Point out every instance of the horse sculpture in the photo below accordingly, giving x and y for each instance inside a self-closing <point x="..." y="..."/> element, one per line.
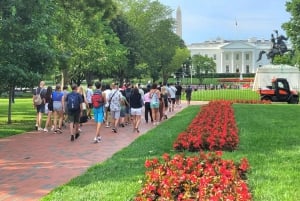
<point x="278" y="47"/>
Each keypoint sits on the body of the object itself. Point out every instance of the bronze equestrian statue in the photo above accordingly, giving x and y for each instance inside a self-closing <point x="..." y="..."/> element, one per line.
<point x="278" y="47"/>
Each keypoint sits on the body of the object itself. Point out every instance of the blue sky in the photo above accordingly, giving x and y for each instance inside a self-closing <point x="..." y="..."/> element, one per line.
<point x="204" y="20"/>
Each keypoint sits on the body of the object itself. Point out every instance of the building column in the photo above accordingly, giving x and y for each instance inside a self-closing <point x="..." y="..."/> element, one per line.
<point x="253" y="70"/>
<point x="243" y="69"/>
<point x="222" y="54"/>
<point x="232" y="62"/>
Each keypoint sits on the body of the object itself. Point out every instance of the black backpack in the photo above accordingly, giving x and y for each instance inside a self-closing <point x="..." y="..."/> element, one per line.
<point x="73" y="103"/>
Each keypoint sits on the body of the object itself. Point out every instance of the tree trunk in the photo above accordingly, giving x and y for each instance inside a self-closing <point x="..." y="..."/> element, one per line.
<point x="10" y="97"/>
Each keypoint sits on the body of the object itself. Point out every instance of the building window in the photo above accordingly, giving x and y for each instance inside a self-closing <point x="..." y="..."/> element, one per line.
<point x="247" y="57"/>
<point x="215" y="57"/>
<point x="227" y="57"/>
<point x="247" y="69"/>
<point x="237" y="56"/>
<point x="227" y="68"/>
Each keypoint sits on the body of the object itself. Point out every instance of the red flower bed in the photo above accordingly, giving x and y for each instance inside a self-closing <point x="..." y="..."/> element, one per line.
<point x="214" y="128"/>
<point x="204" y="177"/>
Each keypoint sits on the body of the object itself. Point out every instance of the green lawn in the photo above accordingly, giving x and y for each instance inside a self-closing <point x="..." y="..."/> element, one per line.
<point x="23" y="117"/>
<point x="269" y="138"/>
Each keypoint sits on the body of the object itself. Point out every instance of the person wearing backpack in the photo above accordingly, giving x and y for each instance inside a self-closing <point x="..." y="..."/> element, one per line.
<point x="38" y="100"/>
<point x="74" y="106"/>
<point x="154" y="94"/>
<point x="98" y="101"/>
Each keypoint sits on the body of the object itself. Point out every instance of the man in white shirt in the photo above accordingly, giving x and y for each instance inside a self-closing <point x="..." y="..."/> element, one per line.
<point x="89" y="94"/>
<point x="172" y="91"/>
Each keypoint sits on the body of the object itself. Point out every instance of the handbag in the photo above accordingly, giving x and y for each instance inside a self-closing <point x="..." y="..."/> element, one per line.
<point x="83" y="106"/>
<point x="108" y="109"/>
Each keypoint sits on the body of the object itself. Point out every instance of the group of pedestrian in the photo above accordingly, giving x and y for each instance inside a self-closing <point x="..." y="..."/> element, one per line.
<point x="116" y="106"/>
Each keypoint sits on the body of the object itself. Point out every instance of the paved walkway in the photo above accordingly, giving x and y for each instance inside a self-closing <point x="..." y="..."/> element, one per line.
<point x="34" y="163"/>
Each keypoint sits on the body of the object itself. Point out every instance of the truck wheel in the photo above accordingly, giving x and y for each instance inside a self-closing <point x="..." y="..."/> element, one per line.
<point x="294" y="100"/>
<point x="266" y="100"/>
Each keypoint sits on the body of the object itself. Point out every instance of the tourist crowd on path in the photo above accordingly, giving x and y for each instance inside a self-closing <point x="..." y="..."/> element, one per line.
<point x="112" y="105"/>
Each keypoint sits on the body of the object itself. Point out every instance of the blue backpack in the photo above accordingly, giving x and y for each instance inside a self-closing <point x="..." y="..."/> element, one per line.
<point x="73" y="103"/>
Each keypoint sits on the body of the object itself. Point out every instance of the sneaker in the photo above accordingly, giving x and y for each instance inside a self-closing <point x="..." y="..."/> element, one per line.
<point x="72" y="138"/>
<point x="99" y="138"/>
<point x="79" y="130"/>
<point x="59" y="131"/>
<point x="45" y="130"/>
<point x="40" y="129"/>
<point x="52" y="128"/>
<point x="77" y="135"/>
<point x="114" y="130"/>
<point x="107" y="126"/>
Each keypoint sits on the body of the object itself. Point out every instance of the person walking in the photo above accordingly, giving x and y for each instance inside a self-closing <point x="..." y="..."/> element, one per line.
<point x="154" y="103"/>
<point x="178" y="94"/>
<point x="99" y="110"/>
<point x="84" y="104"/>
<point x="188" y="94"/>
<point x="107" y="116"/>
<point x="49" y="108"/>
<point x="38" y="100"/>
<point x="65" y="111"/>
<point x="58" y="108"/>
<point x="89" y="94"/>
<point x="148" y="112"/>
<point x="74" y="100"/>
<point x="136" y="104"/>
<point x="165" y="96"/>
<point x="115" y="98"/>
<point x="172" y="92"/>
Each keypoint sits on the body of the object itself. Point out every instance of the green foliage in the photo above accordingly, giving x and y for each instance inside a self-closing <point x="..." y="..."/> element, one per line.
<point x="272" y="154"/>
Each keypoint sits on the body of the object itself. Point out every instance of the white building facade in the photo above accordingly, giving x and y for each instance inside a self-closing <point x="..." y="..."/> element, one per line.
<point x="233" y="56"/>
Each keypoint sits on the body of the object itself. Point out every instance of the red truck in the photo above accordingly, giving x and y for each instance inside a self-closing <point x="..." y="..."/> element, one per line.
<point x="279" y="92"/>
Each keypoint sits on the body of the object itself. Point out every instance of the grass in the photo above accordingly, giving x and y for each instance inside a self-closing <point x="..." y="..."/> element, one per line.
<point x="119" y="177"/>
<point x="268" y="138"/>
<point x="225" y="94"/>
<point x="23" y="117"/>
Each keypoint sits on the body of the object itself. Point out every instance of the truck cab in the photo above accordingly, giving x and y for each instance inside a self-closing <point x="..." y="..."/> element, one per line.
<point x="279" y="92"/>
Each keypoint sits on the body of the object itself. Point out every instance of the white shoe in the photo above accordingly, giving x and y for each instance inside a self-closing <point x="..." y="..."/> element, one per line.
<point x="97" y="139"/>
<point x="40" y="129"/>
<point x="45" y="130"/>
<point x="52" y="128"/>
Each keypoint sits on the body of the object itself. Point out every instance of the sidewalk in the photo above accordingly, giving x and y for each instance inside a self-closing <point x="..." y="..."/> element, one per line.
<point x="34" y="163"/>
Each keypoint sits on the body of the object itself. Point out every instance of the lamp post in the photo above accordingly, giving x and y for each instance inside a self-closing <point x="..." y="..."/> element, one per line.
<point x="191" y="72"/>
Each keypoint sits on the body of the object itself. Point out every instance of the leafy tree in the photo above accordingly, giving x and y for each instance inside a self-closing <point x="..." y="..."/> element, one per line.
<point x="25" y="48"/>
<point x="154" y="26"/>
<point x="84" y="39"/>
<point x="203" y="65"/>
<point x="292" y="27"/>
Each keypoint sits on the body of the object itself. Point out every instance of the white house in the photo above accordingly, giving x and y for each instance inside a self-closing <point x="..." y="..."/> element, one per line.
<point x="234" y="56"/>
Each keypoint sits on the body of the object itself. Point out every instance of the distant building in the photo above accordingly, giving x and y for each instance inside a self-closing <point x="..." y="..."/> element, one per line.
<point x="234" y="56"/>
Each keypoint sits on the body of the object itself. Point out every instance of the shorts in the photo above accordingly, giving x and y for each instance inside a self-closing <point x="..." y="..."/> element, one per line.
<point x="99" y="114"/>
<point x="172" y="100"/>
<point x="40" y="108"/>
<point x="136" y="111"/>
<point x="123" y="112"/>
<point x="57" y="106"/>
<point x="154" y="105"/>
<point x="74" y="116"/>
<point x="115" y="114"/>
